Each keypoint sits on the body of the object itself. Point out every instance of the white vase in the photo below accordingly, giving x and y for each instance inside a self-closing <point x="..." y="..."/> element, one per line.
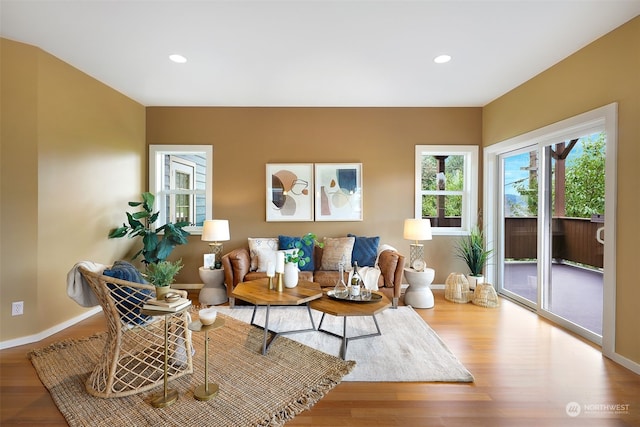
<point x="290" y="275"/>
<point x="474" y="280"/>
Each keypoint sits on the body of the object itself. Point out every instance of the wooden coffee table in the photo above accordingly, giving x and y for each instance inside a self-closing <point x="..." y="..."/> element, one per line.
<point x="346" y="309"/>
<point x="257" y="292"/>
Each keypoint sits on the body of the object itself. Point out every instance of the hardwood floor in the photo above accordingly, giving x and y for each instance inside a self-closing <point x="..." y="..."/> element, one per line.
<point x="526" y="372"/>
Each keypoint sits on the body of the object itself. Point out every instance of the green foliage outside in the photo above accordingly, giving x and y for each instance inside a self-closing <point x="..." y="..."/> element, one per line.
<point x="454" y="181"/>
<point x="584" y="183"/>
<point x="585" y="180"/>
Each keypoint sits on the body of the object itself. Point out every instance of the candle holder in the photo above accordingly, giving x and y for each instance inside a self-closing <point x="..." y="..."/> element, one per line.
<point x="279" y="282"/>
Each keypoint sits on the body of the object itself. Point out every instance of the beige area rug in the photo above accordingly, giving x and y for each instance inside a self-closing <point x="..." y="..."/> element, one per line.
<point x="407" y="350"/>
<point x="255" y="390"/>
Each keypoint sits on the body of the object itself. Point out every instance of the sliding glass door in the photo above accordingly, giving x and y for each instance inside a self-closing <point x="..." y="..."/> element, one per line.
<point x="551" y="226"/>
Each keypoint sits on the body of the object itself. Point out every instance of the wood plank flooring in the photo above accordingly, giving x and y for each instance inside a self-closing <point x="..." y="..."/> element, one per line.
<point x="526" y="372"/>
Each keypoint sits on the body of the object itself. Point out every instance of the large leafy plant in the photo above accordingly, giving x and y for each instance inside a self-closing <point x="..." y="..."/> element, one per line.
<point x="471" y="249"/>
<point x="156" y="247"/>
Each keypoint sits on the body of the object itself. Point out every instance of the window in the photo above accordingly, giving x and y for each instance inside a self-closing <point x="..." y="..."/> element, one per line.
<point x="180" y="176"/>
<point x="447" y="187"/>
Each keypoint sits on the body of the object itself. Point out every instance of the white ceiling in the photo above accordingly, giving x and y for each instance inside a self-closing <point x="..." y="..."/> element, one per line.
<point x="312" y="53"/>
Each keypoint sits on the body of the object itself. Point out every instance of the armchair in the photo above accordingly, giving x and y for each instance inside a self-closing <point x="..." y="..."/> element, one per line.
<point x="133" y="357"/>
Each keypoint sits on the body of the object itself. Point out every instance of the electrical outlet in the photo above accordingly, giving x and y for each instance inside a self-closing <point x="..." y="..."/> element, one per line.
<point x="17" y="308"/>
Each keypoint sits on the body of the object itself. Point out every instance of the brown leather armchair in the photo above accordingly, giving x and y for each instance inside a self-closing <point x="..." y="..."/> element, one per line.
<point x="237" y="264"/>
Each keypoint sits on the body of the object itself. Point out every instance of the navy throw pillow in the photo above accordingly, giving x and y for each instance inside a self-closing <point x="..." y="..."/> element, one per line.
<point x="288" y="242"/>
<point x="128" y="300"/>
<point x="365" y="250"/>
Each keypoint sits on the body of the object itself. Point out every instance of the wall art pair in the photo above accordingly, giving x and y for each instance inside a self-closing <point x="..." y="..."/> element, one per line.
<point x="308" y="192"/>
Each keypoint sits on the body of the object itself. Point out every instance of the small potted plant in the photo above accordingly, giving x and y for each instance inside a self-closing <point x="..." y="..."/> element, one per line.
<point x="471" y="249"/>
<point x="162" y="275"/>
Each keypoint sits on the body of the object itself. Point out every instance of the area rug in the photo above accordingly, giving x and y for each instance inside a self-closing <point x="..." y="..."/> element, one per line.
<point x="255" y="390"/>
<point x="407" y="350"/>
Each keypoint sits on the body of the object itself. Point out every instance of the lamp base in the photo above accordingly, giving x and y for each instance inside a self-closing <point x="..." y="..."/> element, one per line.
<point x="416" y="251"/>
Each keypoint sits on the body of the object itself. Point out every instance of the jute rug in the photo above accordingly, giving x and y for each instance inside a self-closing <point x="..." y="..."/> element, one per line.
<point x="255" y="390"/>
<point x="407" y="350"/>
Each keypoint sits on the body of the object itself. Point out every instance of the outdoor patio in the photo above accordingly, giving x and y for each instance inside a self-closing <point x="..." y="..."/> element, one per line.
<point x="576" y="292"/>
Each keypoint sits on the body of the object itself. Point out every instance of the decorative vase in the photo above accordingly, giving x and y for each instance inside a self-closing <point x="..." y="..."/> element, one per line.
<point x="290" y="275"/>
<point x="161" y="291"/>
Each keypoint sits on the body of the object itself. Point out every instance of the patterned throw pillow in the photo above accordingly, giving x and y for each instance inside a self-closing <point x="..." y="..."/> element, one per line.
<point x="337" y="249"/>
<point x="261" y="244"/>
<point x="365" y="250"/>
<point x="288" y="242"/>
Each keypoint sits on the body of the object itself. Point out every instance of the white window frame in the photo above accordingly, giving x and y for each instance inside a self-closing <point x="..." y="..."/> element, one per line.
<point x="156" y="173"/>
<point x="177" y="164"/>
<point x="470" y="187"/>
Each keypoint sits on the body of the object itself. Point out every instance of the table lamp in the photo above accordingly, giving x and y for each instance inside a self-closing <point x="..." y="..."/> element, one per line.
<point x="215" y="231"/>
<point x="416" y="230"/>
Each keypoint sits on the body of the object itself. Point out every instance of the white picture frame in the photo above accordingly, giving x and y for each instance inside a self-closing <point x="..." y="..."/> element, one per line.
<point x="289" y="192"/>
<point x="338" y="192"/>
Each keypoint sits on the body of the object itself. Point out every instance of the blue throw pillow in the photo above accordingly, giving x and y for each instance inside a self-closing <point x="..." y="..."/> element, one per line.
<point x="128" y="300"/>
<point x="365" y="250"/>
<point x="288" y="242"/>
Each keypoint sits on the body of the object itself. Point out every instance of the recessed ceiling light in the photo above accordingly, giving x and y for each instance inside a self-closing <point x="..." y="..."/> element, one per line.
<point x="178" y="58"/>
<point x="441" y="59"/>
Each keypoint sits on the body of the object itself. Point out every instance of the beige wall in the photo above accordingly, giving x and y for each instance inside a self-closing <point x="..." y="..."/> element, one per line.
<point x="73" y="153"/>
<point x="382" y="139"/>
<point x="605" y="71"/>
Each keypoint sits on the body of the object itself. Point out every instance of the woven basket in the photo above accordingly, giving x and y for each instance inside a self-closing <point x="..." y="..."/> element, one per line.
<point x="457" y="289"/>
<point x="485" y="296"/>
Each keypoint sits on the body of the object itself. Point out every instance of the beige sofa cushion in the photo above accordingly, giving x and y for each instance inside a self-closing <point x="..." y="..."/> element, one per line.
<point x="262" y="245"/>
<point x="336" y="250"/>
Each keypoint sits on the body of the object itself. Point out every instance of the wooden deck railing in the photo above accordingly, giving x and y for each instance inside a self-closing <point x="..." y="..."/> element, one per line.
<point x="574" y="239"/>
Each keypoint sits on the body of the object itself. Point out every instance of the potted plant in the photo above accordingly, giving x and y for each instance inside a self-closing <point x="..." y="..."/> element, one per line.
<point x="154" y="247"/>
<point x="162" y="274"/>
<point x="471" y="249"/>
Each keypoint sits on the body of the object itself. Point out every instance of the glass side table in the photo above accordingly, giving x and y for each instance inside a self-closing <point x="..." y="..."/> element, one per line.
<point x="207" y="390"/>
<point x="167" y="396"/>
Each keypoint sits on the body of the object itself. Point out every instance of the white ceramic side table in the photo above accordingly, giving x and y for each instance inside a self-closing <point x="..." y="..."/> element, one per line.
<point x="419" y="294"/>
<point x="214" y="291"/>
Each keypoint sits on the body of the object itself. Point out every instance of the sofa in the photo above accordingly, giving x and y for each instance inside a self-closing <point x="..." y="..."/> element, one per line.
<point x="248" y="263"/>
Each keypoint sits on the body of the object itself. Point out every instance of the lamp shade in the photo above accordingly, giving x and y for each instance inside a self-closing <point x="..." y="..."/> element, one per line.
<point x="215" y="230"/>
<point x="417" y="229"/>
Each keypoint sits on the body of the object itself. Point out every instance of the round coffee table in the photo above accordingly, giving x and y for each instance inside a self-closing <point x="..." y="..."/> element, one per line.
<point x="419" y="294"/>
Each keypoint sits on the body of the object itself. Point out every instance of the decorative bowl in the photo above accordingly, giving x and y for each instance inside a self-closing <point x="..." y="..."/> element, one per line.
<point x="207" y="316"/>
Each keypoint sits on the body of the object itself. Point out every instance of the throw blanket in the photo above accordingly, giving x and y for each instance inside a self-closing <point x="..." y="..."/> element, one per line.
<point x="370" y="276"/>
<point x="77" y="287"/>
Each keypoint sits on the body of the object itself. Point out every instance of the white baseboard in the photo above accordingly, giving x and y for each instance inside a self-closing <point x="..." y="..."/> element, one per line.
<point x="46" y="333"/>
<point x="629" y="364"/>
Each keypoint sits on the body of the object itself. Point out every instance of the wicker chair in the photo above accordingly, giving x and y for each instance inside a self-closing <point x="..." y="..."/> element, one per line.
<point x="133" y="357"/>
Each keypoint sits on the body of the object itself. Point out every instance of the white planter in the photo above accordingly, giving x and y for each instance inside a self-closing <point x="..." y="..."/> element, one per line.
<point x="290" y="275"/>
<point x="474" y="280"/>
